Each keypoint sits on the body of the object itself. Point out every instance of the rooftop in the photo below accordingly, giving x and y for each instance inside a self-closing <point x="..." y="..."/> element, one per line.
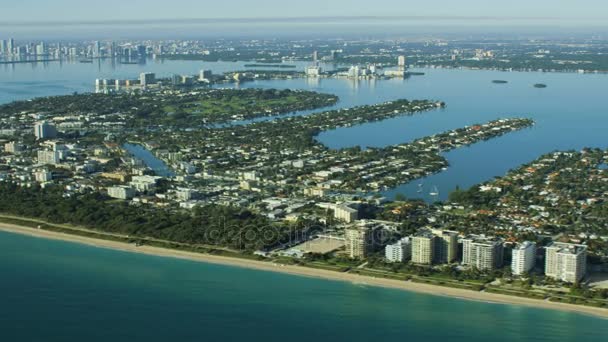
<point x="567" y="248"/>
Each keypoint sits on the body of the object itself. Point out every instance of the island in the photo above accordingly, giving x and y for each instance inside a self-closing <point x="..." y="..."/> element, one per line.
<point x="179" y="107"/>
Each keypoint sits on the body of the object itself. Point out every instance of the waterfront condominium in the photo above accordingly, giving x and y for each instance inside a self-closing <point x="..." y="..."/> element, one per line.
<point x="433" y="246"/>
<point x="401" y="62"/>
<point x="446" y="246"/>
<point x="400" y="251"/>
<point x="566" y="262"/>
<point x="423" y="247"/>
<point x="524" y="258"/>
<point x="481" y="252"/>
<point x="360" y="240"/>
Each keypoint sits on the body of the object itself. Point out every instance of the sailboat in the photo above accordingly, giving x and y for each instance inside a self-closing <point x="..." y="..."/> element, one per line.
<point x="435" y="191"/>
<point x="420" y="187"/>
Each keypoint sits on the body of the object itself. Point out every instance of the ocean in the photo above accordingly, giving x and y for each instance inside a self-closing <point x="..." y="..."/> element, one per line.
<point x="62" y="291"/>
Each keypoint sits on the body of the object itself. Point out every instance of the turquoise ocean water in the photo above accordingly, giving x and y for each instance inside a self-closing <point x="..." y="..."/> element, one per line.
<point x="61" y="291"/>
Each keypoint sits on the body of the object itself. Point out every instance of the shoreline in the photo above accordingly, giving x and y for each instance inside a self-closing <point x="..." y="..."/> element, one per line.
<point x="355" y="279"/>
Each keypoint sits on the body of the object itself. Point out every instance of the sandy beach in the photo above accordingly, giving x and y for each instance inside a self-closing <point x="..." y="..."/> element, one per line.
<point x="309" y="272"/>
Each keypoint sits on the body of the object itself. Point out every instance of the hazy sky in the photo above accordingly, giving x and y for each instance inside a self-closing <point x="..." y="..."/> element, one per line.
<point x="87" y="10"/>
<point x="101" y="19"/>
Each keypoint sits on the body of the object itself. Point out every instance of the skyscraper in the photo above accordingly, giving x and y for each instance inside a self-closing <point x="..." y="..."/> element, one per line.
<point x="566" y="262"/>
<point x="3" y="47"/>
<point x="44" y="130"/>
<point x="434" y="246"/>
<point x="141" y="51"/>
<point x="49" y="157"/>
<point x="483" y="253"/>
<point x="524" y="257"/>
<point x="96" y="49"/>
<point x="446" y="246"/>
<point x="399" y="251"/>
<point x="401" y="62"/>
<point x="423" y="247"/>
<point x="111" y="52"/>
<point x="10" y="47"/>
<point x="147" y="78"/>
<point x="41" y="49"/>
<point x="360" y="240"/>
<point x="176" y="79"/>
<point x="205" y="75"/>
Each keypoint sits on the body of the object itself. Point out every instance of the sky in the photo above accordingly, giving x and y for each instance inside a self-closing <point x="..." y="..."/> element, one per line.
<point x="87" y="10"/>
<point x="35" y="19"/>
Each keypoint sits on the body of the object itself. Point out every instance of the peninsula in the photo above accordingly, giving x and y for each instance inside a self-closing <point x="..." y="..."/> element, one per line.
<point x="265" y="189"/>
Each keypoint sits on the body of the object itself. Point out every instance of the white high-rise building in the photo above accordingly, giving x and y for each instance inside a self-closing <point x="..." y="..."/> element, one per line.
<point x="401" y="62"/>
<point x="313" y="71"/>
<point x="97" y="49"/>
<point x="400" y="251"/>
<point x="434" y="246"/>
<point x="41" y="49"/>
<point x="14" y="147"/>
<point x="524" y="258"/>
<point x="44" y="130"/>
<point x="345" y="213"/>
<point x="423" y="247"/>
<point x="354" y="71"/>
<point x="360" y="240"/>
<point x="184" y="194"/>
<point x="49" y="157"/>
<point x="566" y="261"/>
<point x="481" y="252"/>
<point x="144" y="183"/>
<point x="43" y="176"/>
<point x="121" y="192"/>
<point x="10" y="46"/>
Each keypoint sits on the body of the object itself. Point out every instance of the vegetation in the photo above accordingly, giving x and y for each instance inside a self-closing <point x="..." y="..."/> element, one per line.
<point x="210" y="225"/>
<point x="182" y="109"/>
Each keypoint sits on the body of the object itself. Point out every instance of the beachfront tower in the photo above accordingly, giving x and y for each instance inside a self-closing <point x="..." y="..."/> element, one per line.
<point x="524" y="258"/>
<point x="566" y="262"/>
<point x="483" y="253"/>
